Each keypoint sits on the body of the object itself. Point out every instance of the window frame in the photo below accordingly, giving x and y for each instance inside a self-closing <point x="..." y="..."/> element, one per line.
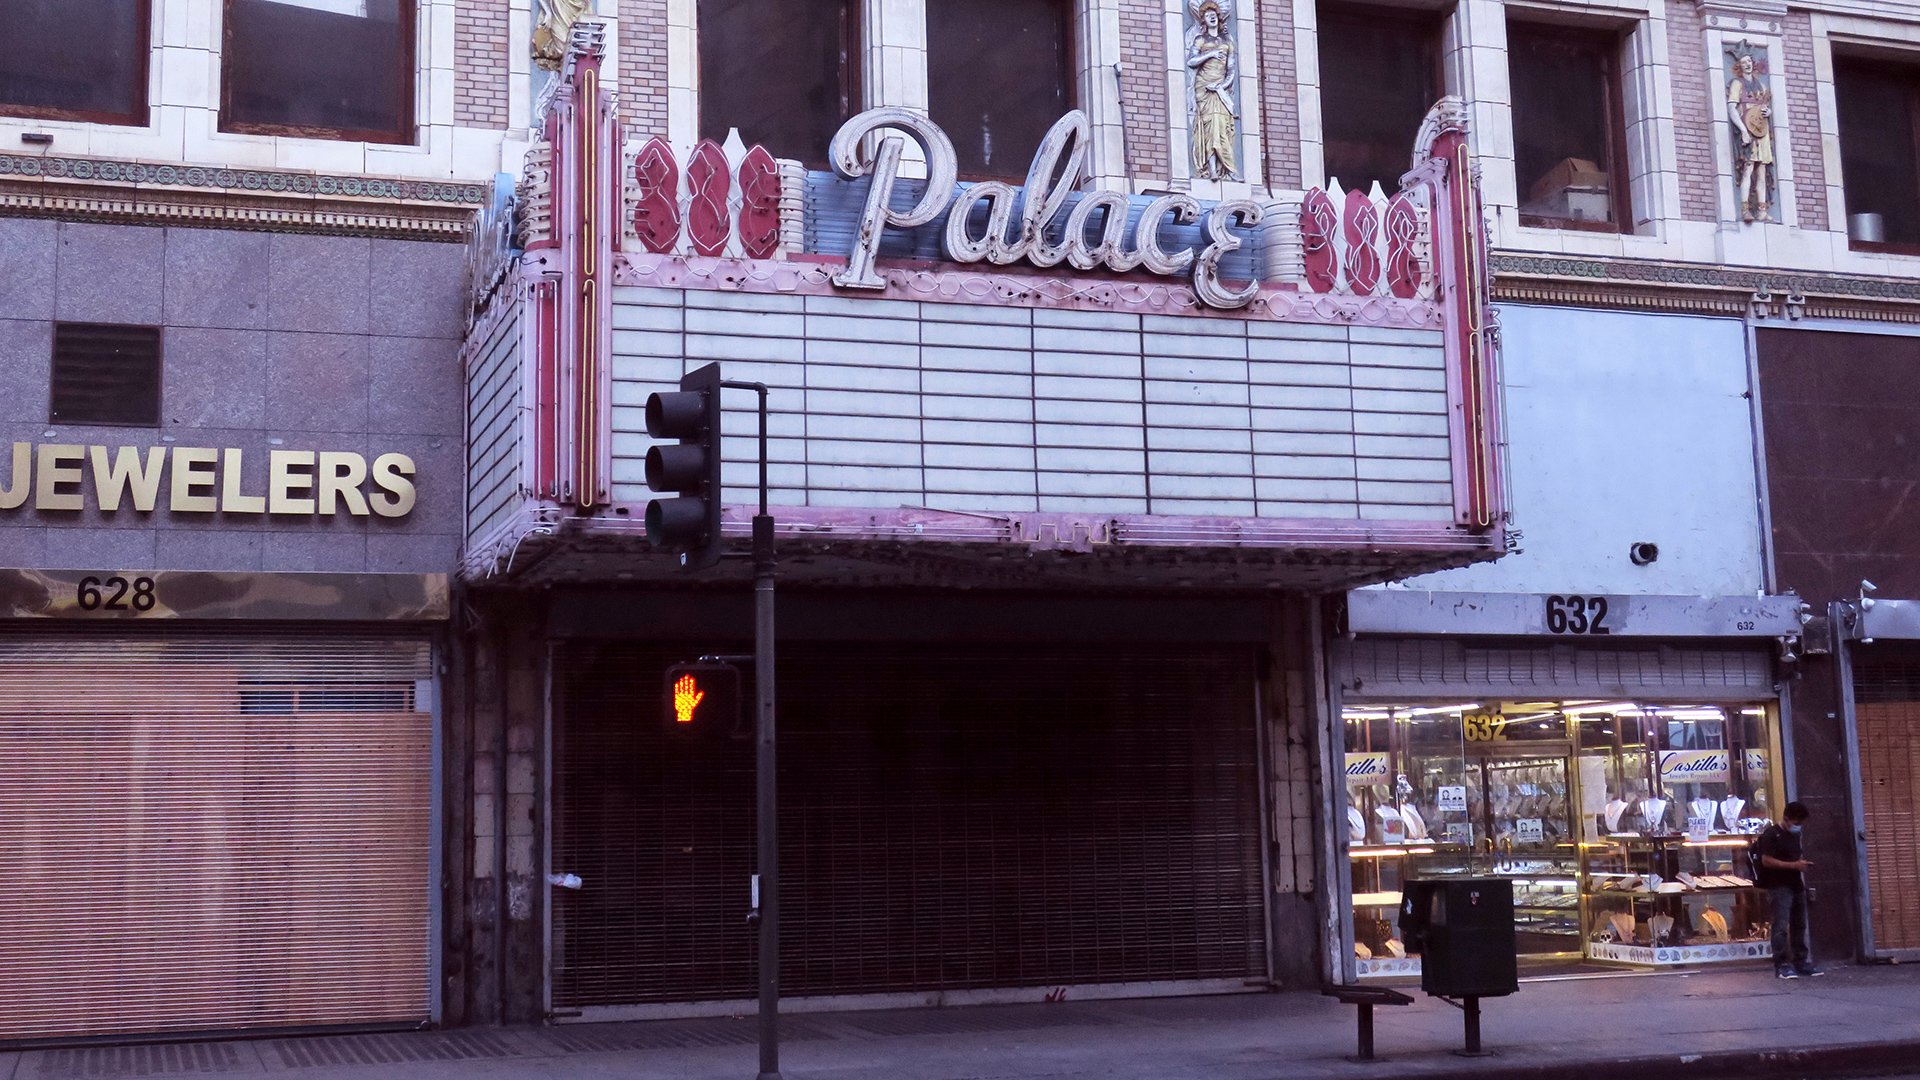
<point x="1434" y="21"/>
<point x="159" y="377"/>
<point x="1911" y="73"/>
<point x="142" y="116"/>
<point x="1614" y="112"/>
<point x="852" y="80"/>
<point x="1071" y="69"/>
<point x="409" y="133"/>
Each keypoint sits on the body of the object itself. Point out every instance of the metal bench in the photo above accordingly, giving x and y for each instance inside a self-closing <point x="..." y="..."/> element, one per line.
<point x="1366" y="997"/>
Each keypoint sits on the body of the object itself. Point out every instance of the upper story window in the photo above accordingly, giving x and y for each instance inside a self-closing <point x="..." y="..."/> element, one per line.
<point x="325" y="69"/>
<point x="1379" y="74"/>
<point x="1879" y="112"/>
<point x="998" y="76"/>
<point x="782" y="71"/>
<point x="1569" y="139"/>
<point x="75" y="60"/>
<point x="105" y="373"/>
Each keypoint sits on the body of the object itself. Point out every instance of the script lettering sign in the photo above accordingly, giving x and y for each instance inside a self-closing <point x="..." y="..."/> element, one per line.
<point x="1021" y="222"/>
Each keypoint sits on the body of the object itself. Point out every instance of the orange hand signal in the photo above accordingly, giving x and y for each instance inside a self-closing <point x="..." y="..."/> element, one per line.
<point x="687" y="696"/>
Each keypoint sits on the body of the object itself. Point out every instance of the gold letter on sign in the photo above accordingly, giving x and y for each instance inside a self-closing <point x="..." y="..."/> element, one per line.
<point x="193" y="470"/>
<point x="390" y="472"/>
<point x="282" y="481"/>
<point x="54" y="471"/>
<point x="14" y="492"/>
<point x="231" y="498"/>
<point x="126" y="473"/>
<point x="341" y="475"/>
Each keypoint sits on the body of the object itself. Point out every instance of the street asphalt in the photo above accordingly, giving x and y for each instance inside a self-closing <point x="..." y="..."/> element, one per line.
<point x="1856" y="1021"/>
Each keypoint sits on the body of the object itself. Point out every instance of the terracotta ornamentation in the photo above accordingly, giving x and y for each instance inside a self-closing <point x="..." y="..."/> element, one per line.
<point x="553" y="28"/>
<point x="1750" y="109"/>
<point x="1213" y="72"/>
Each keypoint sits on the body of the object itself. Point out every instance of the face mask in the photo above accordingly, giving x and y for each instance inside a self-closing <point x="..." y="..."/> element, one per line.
<point x="1794" y="829"/>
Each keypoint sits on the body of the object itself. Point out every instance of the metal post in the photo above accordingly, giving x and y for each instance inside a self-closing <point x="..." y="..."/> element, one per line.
<point x="767" y="814"/>
<point x="1366" y="1032"/>
<point x="768" y="820"/>
<point x="1473" y="1025"/>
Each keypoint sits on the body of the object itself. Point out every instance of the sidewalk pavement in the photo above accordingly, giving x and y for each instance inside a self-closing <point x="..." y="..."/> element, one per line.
<point x="1856" y="1021"/>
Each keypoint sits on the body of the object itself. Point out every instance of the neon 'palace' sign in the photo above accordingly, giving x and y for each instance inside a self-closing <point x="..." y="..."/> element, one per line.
<point x="1058" y="169"/>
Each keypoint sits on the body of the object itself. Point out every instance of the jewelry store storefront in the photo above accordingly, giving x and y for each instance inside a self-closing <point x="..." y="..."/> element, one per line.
<point x="1618" y="783"/>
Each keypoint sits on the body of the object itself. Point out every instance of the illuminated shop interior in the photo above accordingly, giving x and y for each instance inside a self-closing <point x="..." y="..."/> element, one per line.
<point x="1623" y="825"/>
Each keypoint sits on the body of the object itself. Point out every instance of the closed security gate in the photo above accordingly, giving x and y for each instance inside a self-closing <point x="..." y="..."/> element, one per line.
<point x="965" y="817"/>
<point x="1887" y="719"/>
<point x="212" y="832"/>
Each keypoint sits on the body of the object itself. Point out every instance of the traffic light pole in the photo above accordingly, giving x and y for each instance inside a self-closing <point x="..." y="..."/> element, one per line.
<point x="767" y="817"/>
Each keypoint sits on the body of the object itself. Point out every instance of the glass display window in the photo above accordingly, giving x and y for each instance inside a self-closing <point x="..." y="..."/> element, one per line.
<point x="1623" y="825"/>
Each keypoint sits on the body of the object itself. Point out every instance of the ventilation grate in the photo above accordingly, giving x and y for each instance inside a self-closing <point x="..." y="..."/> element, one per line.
<point x="106" y="374"/>
<point x="390" y="1049"/>
<point x="108" y="1062"/>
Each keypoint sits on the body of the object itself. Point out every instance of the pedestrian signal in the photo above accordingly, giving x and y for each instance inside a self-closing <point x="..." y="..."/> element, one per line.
<point x="702" y="697"/>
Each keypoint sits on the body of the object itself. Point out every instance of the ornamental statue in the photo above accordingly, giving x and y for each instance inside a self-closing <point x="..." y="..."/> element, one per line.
<point x="1750" y="109"/>
<point x="553" y="28"/>
<point x="1213" y="73"/>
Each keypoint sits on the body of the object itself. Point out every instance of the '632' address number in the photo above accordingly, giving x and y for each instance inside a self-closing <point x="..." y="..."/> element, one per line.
<point x="1578" y="615"/>
<point x="115" y="593"/>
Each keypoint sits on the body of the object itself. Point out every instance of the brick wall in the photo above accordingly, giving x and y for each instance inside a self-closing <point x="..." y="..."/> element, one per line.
<point x="1279" y="99"/>
<point x="1803" y="122"/>
<point x="643" y="67"/>
<point x="1695" y="104"/>
<point x="480" y="63"/>
<point x="1143" y="87"/>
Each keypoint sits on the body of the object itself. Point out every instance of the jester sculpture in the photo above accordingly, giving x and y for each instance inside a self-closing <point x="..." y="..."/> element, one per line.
<point x="1213" y="71"/>
<point x="1750" y="108"/>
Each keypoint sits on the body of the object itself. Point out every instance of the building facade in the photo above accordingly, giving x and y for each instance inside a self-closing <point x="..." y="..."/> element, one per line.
<point x="1055" y="501"/>
<point x="1528" y="454"/>
<point x="230" y="506"/>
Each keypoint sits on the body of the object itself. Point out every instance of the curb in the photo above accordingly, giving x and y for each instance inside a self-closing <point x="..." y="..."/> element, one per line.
<point x="1840" y="1060"/>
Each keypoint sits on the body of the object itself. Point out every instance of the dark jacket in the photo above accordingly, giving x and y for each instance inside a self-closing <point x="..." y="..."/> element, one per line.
<point x="1785" y="846"/>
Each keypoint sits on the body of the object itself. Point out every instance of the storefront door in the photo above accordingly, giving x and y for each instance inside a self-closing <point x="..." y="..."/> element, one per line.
<point x="213" y="831"/>
<point x="1886" y="719"/>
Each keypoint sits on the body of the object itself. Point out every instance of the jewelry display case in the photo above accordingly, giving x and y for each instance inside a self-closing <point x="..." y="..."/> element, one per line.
<point x="1623" y="827"/>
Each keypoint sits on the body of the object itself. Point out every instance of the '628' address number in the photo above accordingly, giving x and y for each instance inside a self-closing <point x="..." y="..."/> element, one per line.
<point x="1578" y="615"/>
<point x="115" y="593"/>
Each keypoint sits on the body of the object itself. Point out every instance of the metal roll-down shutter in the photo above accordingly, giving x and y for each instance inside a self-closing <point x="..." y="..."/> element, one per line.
<point x="212" y="831"/>
<point x="952" y="818"/>
<point x="1887" y="718"/>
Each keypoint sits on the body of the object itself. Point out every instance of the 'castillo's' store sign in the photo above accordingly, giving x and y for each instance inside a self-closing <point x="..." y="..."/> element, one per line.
<point x="200" y="480"/>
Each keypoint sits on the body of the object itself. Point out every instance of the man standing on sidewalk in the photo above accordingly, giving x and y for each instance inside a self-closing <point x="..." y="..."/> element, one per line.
<point x="1782" y="873"/>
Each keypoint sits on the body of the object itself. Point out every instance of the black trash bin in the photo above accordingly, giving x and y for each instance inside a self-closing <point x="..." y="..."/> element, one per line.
<point x="1462" y="930"/>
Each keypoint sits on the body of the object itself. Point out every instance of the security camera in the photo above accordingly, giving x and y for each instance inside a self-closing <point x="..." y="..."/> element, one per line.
<point x="1643" y="552"/>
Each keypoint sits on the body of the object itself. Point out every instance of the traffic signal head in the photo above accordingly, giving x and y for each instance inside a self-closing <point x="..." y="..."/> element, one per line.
<point x="688" y="522"/>
<point x="703" y="698"/>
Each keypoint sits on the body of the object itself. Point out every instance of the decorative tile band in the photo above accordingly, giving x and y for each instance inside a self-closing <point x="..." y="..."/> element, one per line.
<point x="954" y="286"/>
<point x="263" y="181"/>
<point x="1704" y="276"/>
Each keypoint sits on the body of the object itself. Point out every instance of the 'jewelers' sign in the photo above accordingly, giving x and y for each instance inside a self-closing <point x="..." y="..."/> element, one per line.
<point x="199" y="480"/>
<point x="1058" y="169"/>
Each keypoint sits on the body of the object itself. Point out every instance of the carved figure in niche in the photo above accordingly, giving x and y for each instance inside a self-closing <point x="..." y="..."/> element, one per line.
<point x="1214" y="72"/>
<point x="554" y="29"/>
<point x="1750" y="108"/>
